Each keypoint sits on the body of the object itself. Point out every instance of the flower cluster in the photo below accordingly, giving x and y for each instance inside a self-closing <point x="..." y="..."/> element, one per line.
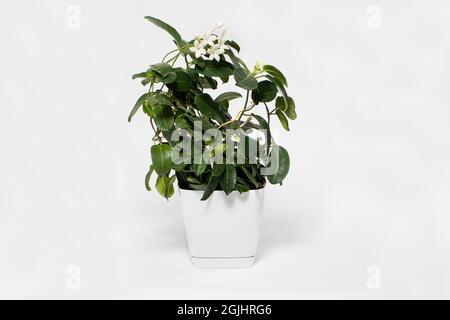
<point x="211" y="44"/>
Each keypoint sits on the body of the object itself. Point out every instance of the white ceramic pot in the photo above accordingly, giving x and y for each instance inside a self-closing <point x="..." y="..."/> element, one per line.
<point x="223" y="231"/>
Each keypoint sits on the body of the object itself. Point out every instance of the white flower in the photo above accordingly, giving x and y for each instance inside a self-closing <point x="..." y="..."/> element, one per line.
<point x="225" y="36"/>
<point x="216" y="51"/>
<point x="199" y="47"/>
<point x="210" y="46"/>
<point x="209" y="38"/>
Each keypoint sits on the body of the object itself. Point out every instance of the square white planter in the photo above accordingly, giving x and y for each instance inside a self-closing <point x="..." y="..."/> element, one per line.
<point x="223" y="231"/>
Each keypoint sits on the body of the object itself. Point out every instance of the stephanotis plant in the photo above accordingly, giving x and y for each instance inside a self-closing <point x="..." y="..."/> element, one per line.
<point x="217" y="151"/>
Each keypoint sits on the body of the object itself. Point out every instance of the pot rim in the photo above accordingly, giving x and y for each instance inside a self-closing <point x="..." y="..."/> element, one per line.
<point x="182" y="189"/>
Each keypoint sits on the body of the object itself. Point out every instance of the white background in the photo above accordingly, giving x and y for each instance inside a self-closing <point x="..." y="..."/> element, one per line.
<point x="367" y="197"/>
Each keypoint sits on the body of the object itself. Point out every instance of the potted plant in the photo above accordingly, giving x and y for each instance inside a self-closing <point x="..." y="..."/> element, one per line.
<point x="220" y="162"/>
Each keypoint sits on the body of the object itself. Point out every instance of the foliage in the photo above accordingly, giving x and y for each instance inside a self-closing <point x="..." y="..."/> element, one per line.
<point x="179" y="96"/>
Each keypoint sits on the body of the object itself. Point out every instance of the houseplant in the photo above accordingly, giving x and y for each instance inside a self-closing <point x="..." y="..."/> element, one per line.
<point x="221" y="162"/>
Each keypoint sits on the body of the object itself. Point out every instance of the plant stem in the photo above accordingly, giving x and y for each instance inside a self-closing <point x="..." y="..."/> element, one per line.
<point x="168" y="54"/>
<point x="156" y="131"/>
<point x="268" y="113"/>
<point x="245" y="106"/>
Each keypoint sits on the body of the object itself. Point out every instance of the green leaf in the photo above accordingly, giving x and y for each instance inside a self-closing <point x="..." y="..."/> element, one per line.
<point x="244" y="79"/>
<point x="137" y="105"/>
<point x="218" y="169"/>
<point x="280" y="104"/>
<point x="161" y="158"/>
<point x="182" y="122"/>
<point x="227" y="96"/>
<point x="199" y="168"/>
<point x="283" y="120"/>
<point x="266" y="92"/>
<point x="224" y="104"/>
<point x="170" y="78"/>
<point x="233" y="45"/>
<point x="229" y="179"/>
<point x="171" y="30"/>
<point x="209" y="107"/>
<point x="263" y="124"/>
<point x="274" y="72"/>
<point x="280" y="89"/>
<point x="218" y="69"/>
<point x="212" y="84"/>
<point x="164" y="117"/>
<point x="282" y="161"/>
<point x="161" y="98"/>
<point x="241" y="188"/>
<point x="164" y="185"/>
<point x="290" y="111"/>
<point x="146" y="81"/>
<point x="161" y="69"/>
<point x="249" y="176"/>
<point x="183" y="82"/>
<point x="225" y="79"/>
<point x="210" y="187"/>
<point x="139" y="75"/>
<point x="147" y="178"/>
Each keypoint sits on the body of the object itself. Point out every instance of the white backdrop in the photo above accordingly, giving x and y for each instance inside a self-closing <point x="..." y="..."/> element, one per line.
<point x="364" y="212"/>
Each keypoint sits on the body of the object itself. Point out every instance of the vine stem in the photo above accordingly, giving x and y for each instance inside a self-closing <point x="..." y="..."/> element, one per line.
<point x="156" y="131"/>
<point x="240" y="113"/>
<point x="268" y="113"/>
<point x="168" y="54"/>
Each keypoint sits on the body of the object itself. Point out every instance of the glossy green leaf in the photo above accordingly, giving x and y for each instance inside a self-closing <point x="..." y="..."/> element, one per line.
<point x="228" y="179"/>
<point x="244" y="79"/>
<point x="224" y="104"/>
<point x="282" y="163"/>
<point x="266" y="92"/>
<point x="164" y="117"/>
<point x="281" y="89"/>
<point x="170" y="78"/>
<point x="210" y="187"/>
<point x="228" y="96"/>
<point x="290" y="111"/>
<point x="147" y="178"/>
<point x="137" y="105"/>
<point x="218" y="169"/>
<point x="161" y="69"/>
<point x="283" y="120"/>
<point x="160" y="98"/>
<point x="164" y="185"/>
<point x="276" y="73"/>
<point x="263" y="124"/>
<point x="199" y="168"/>
<point x="249" y="176"/>
<point x="219" y="69"/>
<point x="183" y="82"/>
<point x="212" y="84"/>
<point x="139" y="75"/>
<point x="169" y="29"/>
<point x="209" y="107"/>
<point x="280" y="104"/>
<point x="233" y="45"/>
<point x="161" y="158"/>
<point x="225" y="79"/>
<point x="241" y="188"/>
<point x="182" y="122"/>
